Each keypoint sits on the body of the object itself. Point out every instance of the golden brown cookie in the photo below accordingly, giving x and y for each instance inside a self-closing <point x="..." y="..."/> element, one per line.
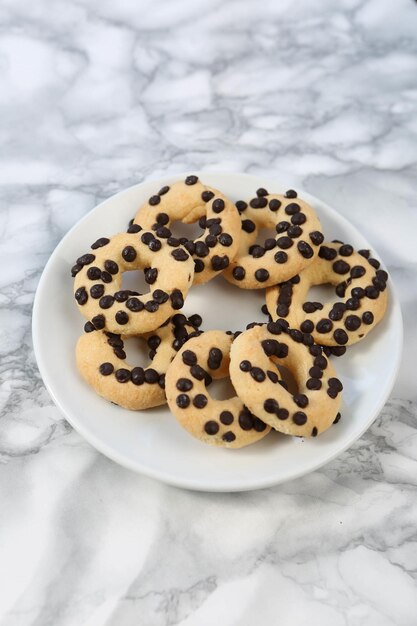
<point x="293" y="247"/>
<point x="101" y="360"/>
<point x="316" y="404"/>
<point x="227" y="423"/>
<point x="191" y="201"/>
<point x="359" y="283"/>
<point x="98" y="279"/>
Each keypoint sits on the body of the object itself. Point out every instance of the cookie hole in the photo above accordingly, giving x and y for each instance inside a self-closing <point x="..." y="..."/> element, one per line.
<point x="137" y="351"/>
<point x="288" y="377"/>
<point x="222" y="389"/>
<point x="191" y="231"/>
<point x="264" y="233"/>
<point x="135" y="281"/>
<point x="322" y="293"/>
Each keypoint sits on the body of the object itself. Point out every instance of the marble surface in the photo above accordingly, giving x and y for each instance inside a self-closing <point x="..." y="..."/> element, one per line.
<point x="96" y="96"/>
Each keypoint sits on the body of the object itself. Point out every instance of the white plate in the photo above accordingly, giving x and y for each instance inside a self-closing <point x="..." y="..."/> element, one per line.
<point x="151" y="442"/>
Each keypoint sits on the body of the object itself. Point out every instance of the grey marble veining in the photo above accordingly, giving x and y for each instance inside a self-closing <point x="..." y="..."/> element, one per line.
<point x="96" y="96"/>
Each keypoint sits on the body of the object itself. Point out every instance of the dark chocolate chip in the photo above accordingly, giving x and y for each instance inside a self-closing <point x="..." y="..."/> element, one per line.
<point x="368" y="318"/>
<point x="135" y="305"/>
<point x="248" y="226"/>
<point x="376" y="264"/>
<point x="151" y="376"/>
<point x="96" y="291"/>
<point x="219" y="263"/>
<point x="307" y="326"/>
<point x="305" y="249"/>
<point x="241" y="205"/>
<point x="292" y="208"/>
<point x="258" y="374"/>
<point x="182" y="400"/>
<point x="299" y="418"/>
<point x="274" y="328"/>
<point x="281" y="257"/>
<point x="327" y="253"/>
<point x="316" y="237"/>
<point x="103" y="241"/>
<point x="294" y="232"/>
<point x="371" y="292"/>
<point x="184" y="384"/>
<point x="189" y="357"/>
<point x="262" y="275"/>
<point x="357" y="271"/>
<point x="106" y="302"/>
<point x="352" y="322"/>
<point x="106" y="369"/>
<point x="160" y="296"/>
<point x="218" y="205"/>
<point x="341" y="267"/>
<point x="81" y="294"/>
<point x="271" y="405"/>
<point x="93" y="273"/>
<point x="225" y="240"/>
<point x="229" y="436"/>
<point x="258" y="203"/>
<point x="274" y="204"/>
<point x="180" y="254"/>
<point x="191" y="180"/>
<point x="173" y="242"/>
<point x="177" y="300"/>
<point x="282" y="414"/>
<point x="154" y="200"/>
<point x="316" y="371"/>
<point x="129" y="254"/>
<point x="86" y="259"/>
<point x="89" y="327"/>
<point x="226" y="418"/>
<point x="301" y="400"/>
<point x="337" y="418"/>
<point x="270" y="243"/>
<point x="245" y="366"/>
<point x="99" y="321"/>
<point x="134" y="228"/>
<point x="201" y="249"/>
<point x="239" y="273"/>
<point x="335" y="383"/>
<point x="261" y="192"/>
<point x="206" y="196"/>
<point x="200" y="401"/>
<point x="196" y="320"/>
<point x="257" y="251"/>
<point x="151" y="275"/>
<point x="122" y="375"/>
<point x="273" y="377"/>
<point x="346" y="250"/>
<point x="198" y="266"/>
<point x="314" y="432"/>
<point x="121" y="317"/>
<point x="284" y="242"/>
<point x="290" y="193"/>
<point x="340" y="336"/>
<point x="211" y="427"/>
<point x="298" y="219"/>
<point x="245" y="419"/>
<point x="324" y="326"/>
<point x="314" y="384"/>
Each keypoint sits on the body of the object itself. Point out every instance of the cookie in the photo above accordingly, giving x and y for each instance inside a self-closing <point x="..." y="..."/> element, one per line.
<point x="227" y="423"/>
<point x="101" y="361"/>
<point x="98" y="279"/>
<point x="316" y="404"/>
<point x="359" y="284"/>
<point x="292" y="247"/>
<point x="191" y="201"/>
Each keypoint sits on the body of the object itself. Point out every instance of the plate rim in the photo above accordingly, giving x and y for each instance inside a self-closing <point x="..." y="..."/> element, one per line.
<point x="191" y="483"/>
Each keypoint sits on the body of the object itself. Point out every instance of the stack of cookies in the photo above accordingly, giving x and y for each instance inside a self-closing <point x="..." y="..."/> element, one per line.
<point x="299" y="337"/>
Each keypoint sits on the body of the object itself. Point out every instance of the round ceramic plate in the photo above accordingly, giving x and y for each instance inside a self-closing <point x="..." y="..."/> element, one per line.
<point x="152" y="442"/>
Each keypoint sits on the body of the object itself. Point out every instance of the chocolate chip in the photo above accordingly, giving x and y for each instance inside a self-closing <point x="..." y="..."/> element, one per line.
<point x="106" y="302"/>
<point x="270" y="405"/>
<point x="122" y="375"/>
<point x="215" y="358"/>
<point x="103" y="241"/>
<point x="358" y="292"/>
<point x="316" y="237"/>
<point x="177" y="300"/>
<point x="337" y="418"/>
<point x="296" y="335"/>
<point x="313" y="384"/>
<point x="219" y="263"/>
<point x="382" y="275"/>
<point x="248" y="226"/>
<point x="256" y="251"/>
<point x="197" y="372"/>
<point x="274" y="328"/>
<point x="258" y="203"/>
<point x="180" y="255"/>
<point x="273" y="377"/>
<point x="258" y="374"/>
<point x="371" y="292"/>
<point x="129" y="254"/>
<point x="327" y="253"/>
<point x="229" y="436"/>
<point x="121" y="317"/>
<point x="147" y="237"/>
<point x="216" y="229"/>
<point x="335" y="383"/>
<point x="138" y="376"/>
<point x="307" y="326"/>
<point x="86" y="259"/>
<point x="301" y="400"/>
<point x="135" y="305"/>
<point x="196" y="320"/>
<point x="290" y="193"/>
<point x="201" y="249"/>
<point x="270" y="346"/>
<point x="368" y="318"/>
<point x="282" y="414"/>
<point x="261" y="192"/>
<point x="270" y="243"/>
<point x="357" y="271"/>
<point x="245" y="419"/>
<point x="314" y="432"/>
<point x="341" y="267"/>
<point x="226" y="418"/>
<point x="198" y="266"/>
<point x="274" y="204"/>
<point x="155" y="245"/>
<point x="294" y="232"/>
<point x="218" y="205"/>
<point x="341" y="290"/>
<point x="298" y="219"/>
<point x="81" y="294"/>
<point x="206" y="196"/>
<point x="337" y="350"/>
<point x="262" y="275"/>
<point x="189" y="357"/>
<point x="346" y="250"/>
<point x="305" y="249"/>
<point x="191" y="180"/>
<point x="379" y="284"/>
<point x="200" y="401"/>
<point x="173" y="242"/>
<point x="89" y="327"/>
<point x="299" y="418"/>
<point x="151" y="306"/>
<point x="284" y="242"/>
<point x="225" y="240"/>
<point x="106" y="369"/>
<point x="340" y="336"/>
<point x="154" y="200"/>
<point x="316" y="371"/>
<point x="151" y="376"/>
<point x="151" y="275"/>
<point x="281" y="257"/>
<point x="292" y="208"/>
<point x="182" y="400"/>
<point x="99" y="322"/>
<point x="134" y="228"/>
<point x="282" y="351"/>
<point x="211" y="241"/>
<point x="352" y="322"/>
<point x="96" y="291"/>
<point x="245" y="366"/>
<point x="93" y="273"/>
<point x="211" y="427"/>
<point x="376" y="264"/>
<point x="324" y="326"/>
<point x="184" y="384"/>
<point x="239" y="273"/>
<point x="160" y="296"/>
<point x="120" y="353"/>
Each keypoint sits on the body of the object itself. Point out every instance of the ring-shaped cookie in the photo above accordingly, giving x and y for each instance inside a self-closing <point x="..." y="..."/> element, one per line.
<point x="293" y="247"/>
<point x="359" y="283"/>
<point x="316" y="404"/>
<point x="227" y="423"/>
<point x="101" y="360"/>
<point x="97" y="285"/>
<point x="191" y="201"/>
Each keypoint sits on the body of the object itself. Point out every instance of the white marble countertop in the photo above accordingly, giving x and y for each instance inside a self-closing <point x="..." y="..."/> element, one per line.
<point x="96" y="96"/>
